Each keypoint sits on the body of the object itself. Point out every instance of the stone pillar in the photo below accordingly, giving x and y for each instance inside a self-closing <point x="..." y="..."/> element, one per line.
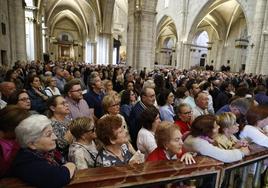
<point x="90" y="54"/>
<point x="256" y="36"/>
<point x="179" y="56"/>
<point x="105" y="49"/>
<point x="20" y="30"/>
<point x="219" y="53"/>
<point x="186" y="56"/>
<point x="141" y="33"/>
<point x="39" y="40"/>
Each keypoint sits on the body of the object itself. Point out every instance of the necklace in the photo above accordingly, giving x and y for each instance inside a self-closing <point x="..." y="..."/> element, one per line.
<point x="119" y="156"/>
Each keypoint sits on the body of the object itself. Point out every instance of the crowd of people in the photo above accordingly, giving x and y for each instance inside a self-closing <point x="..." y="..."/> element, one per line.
<point x="57" y="117"/>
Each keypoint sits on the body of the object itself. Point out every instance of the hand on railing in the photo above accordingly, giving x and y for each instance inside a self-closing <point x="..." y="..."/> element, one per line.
<point x="241" y="143"/>
<point x="188" y="158"/>
<point x="245" y="150"/>
<point x="137" y="158"/>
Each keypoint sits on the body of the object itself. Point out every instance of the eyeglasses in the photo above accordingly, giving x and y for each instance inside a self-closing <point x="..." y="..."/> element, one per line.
<point x="48" y="134"/>
<point x="24" y="99"/>
<point x="78" y="90"/>
<point x="187" y="112"/>
<point x="117" y="104"/>
<point x="92" y="130"/>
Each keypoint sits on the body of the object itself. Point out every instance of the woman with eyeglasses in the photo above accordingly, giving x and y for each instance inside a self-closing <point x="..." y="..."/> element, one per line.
<point x="184" y="116"/>
<point x="38" y="163"/>
<point x="111" y="106"/>
<point x="83" y="150"/>
<point x="58" y="113"/>
<point x="21" y="99"/>
<point x="51" y="88"/>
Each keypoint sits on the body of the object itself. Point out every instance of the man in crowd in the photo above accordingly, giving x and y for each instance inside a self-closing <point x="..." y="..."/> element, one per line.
<point x="74" y="97"/>
<point x="95" y="94"/>
<point x="147" y="99"/>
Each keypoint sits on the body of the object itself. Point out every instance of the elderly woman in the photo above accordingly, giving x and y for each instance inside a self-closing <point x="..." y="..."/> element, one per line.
<point x="37" y="163"/>
<point x="111" y="106"/>
<point x="115" y="139"/>
<point x="228" y="127"/>
<point x="149" y="121"/>
<point x="256" y="130"/>
<point x="83" y="150"/>
<point x="10" y="117"/>
<point x="21" y="99"/>
<point x="165" y="100"/>
<point x="169" y="144"/>
<point x="58" y="113"/>
<point x="51" y="88"/>
<point x="203" y="130"/>
<point x="37" y="96"/>
<point x="184" y="117"/>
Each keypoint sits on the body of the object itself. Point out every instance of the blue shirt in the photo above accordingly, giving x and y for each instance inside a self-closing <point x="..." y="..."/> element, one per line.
<point x="94" y="100"/>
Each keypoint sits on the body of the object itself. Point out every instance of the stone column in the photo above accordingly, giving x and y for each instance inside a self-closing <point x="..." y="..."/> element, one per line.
<point x="218" y="54"/>
<point x="90" y="54"/>
<point x="20" y="30"/>
<point x="141" y="33"/>
<point x="105" y="49"/>
<point x="179" y="56"/>
<point x="256" y="36"/>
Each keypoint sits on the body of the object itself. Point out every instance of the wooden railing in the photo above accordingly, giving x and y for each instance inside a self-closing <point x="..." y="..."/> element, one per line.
<point x="156" y="173"/>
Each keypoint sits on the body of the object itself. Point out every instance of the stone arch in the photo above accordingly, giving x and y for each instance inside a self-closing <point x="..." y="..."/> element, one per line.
<point x="209" y="6"/>
<point x="166" y="40"/>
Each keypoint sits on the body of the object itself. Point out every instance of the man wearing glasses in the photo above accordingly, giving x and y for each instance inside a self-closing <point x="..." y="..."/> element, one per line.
<point x="74" y="97"/>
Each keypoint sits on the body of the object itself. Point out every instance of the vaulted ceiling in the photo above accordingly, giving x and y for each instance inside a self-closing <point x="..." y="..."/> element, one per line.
<point x="89" y="16"/>
<point x="221" y="16"/>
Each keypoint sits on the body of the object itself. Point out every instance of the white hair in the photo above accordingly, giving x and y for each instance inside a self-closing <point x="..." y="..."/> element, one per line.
<point x="31" y="128"/>
<point x="148" y="83"/>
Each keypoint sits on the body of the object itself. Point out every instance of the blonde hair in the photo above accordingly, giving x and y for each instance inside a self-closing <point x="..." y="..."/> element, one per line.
<point x="225" y="120"/>
<point x="81" y="125"/>
<point x="110" y="100"/>
<point x="163" y="133"/>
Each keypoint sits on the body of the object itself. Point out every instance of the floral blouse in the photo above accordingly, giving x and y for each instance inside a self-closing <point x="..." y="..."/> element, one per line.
<point x="60" y="128"/>
<point x="83" y="156"/>
<point x="107" y="159"/>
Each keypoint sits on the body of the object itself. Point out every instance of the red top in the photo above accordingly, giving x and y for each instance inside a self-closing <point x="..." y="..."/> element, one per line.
<point x="184" y="127"/>
<point x="8" y="151"/>
<point x="159" y="155"/>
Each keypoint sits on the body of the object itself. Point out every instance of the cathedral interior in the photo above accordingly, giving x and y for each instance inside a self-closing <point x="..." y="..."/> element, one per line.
<point x="139" y="33"/>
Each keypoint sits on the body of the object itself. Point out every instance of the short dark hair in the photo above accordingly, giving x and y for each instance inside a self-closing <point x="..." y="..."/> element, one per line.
<point x="14" y="97"/>
<point x="52" y="101"/>
<point x="31" y="78"/>
<point x="203" y="125"/>
<point x="105" y="128"/>
<point x="70" y="84"/>
<point x="162" y="97"/>
<point x="205" y="85"/>
<point x="180" y="92"/>
<point x="256" y="113"/>
<point x="125" y="97"/>
<point x="190" y="83"/>
<point x="11" y="116"/>
<point x="148" y="116"/>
